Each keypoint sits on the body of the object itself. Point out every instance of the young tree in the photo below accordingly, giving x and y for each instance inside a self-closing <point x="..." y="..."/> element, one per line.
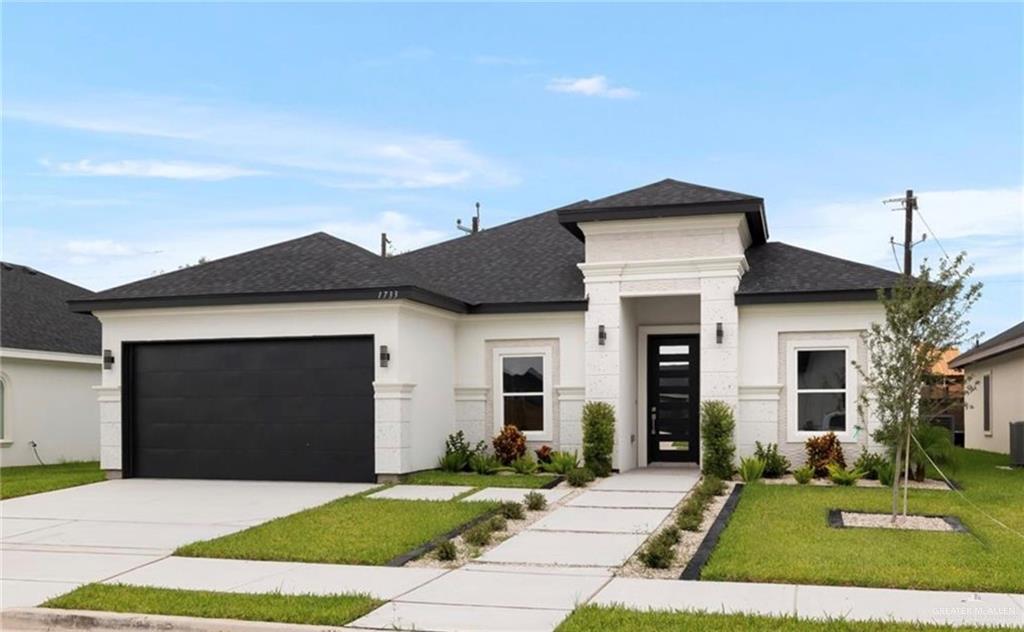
<point x="924" y="316"/>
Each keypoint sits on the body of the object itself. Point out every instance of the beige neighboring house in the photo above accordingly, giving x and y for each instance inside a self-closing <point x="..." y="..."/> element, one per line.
<point x="49" y="365"/>
<point x="997" y="367"/>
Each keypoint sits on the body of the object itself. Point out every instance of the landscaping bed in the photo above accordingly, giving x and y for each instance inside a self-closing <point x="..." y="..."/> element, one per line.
<point x="351" y="530"/>
<point x="779" y="533"/>
<point x="332" y="610"/>
<point x="617" y="619"/>
<point x="471" y="479"/>
<point x="34" y="479"/>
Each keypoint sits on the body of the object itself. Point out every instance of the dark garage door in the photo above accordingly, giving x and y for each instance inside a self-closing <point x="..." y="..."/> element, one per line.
<point x="280" y="409"/>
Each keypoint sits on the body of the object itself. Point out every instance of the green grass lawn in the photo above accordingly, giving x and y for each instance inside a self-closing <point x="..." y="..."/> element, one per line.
<point x="334" y="610"/>
<point x="779" y="534"/>
<point x="33" y="479"/>
<point x="598" y="619"/>
<point x="439" y="477"/>
<point x="352" y="530"/>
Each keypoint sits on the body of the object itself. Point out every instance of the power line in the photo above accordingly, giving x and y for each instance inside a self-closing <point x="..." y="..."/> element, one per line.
<point x="934" y="236"/>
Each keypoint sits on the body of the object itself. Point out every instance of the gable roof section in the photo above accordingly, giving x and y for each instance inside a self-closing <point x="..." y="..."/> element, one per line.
<point x="35" y="314"/>
<point x="314" y="267"/>
<point x="1009" y="340"/>
<point x="530" y="263"/>
<point x="667" y="198"/>
<point x="780" y="273"/>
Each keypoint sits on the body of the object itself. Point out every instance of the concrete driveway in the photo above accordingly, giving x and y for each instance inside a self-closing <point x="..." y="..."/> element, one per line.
<point x="50" y="543"/>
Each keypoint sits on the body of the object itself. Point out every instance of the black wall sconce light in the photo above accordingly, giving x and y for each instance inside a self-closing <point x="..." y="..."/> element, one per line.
<point x="108" y="359"/>
<point x="719" y="333"/>
<point x="385" y="356"/>
<point x="602" y="335"/>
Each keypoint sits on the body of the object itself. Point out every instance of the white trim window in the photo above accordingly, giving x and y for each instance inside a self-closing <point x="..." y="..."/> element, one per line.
<point x="821" y="390"/>
<point x="522" y="379"/>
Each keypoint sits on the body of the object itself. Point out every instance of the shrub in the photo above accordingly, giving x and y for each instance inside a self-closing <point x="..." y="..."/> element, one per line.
<point x="561" y="462"/>
<point x="937" y="442"/>
<point x="716" y="429"/>
<point x="579" y="477"/>
<point x="480" y="535"/>
<point x="843" y="476"/>
<point x="822" y="450"/>
<point x="452" y="462"/>
<point x="511" y="510"/>
<point x="868" y="462"/>
<point x="803" y="475"/>
<point x="446" y="551"/>
<point x="456" y="444"/>
<point x="525" y="464"/>
<point x="713" y="485"/>
<point x="598" y="437"/>
<point x="751" y="469"/>
<point x="485" y="464"/>
<point x="775" y="464"/>
<point x="670" y="534"/>
<point x="885" y="473"/>
<point x="535" y="501"/>
<point x="509" y="445"/>
<point x="689" y="518"/>
<point x="499" y="523"/>
<point x="658" y="553"/>
<point x="543" y="454"/>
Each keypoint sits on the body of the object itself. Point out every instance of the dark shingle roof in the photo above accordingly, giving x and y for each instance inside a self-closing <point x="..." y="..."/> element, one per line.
<point x="310" y="265"/>
<point x="780" y="272"/>
<point x="35" y="313"/>
<point x="667" y="198"/>
<point x="1009" y="340"/>
<point x="532" y="260"/>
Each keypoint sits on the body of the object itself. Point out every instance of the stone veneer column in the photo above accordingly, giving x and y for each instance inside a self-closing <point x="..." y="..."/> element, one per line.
<point x="392" y="427"/>
<point x="110" y="429"/>
<point x="471" y="412"/>
<point x="603" y="362"/>
<point x="719" y="362"/>
<point x="570" y="413"/>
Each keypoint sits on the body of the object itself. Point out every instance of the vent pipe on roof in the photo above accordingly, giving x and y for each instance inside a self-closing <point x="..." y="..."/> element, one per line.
<point x="475" y="223"/>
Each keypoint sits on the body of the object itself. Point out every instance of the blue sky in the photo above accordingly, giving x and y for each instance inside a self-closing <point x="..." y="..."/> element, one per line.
<point x="138" y="138"/>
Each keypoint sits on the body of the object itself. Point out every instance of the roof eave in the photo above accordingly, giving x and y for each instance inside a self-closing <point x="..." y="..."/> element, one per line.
<point x="752" y="208"/>
<point x="826" y="296"/>
<point x="977" y="355"/>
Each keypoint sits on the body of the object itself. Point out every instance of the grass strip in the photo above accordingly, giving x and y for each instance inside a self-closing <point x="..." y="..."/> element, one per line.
<point x="439" y="477"/>
<point x="34" y="479"/>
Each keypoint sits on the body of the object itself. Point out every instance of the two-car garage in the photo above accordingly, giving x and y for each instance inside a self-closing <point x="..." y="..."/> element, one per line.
<point x="299" y="409"/>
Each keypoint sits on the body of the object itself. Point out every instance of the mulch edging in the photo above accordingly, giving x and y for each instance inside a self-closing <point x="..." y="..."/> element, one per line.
<point x="710" y="541"/>
<point x="553" y="483"/>
<point x="423" y="549"/>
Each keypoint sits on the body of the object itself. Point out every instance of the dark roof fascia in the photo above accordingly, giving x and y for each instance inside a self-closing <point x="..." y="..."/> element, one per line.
<point x="411" y="293"/>
<point x="835" y="296"/>
<point x="752" y="208"/>
<point x="529" y="308"/>
<point x="978" y="355"/>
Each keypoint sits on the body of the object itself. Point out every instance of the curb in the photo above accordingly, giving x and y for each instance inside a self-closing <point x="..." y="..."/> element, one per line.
<point x="33" y="619"/>
<point x="710" y="541"/>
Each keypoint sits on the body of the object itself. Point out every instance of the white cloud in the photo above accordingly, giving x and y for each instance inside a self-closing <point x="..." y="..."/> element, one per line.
<point x="174" y="170"/>
<point x="99" y="247"/>
<point x="987" y="223"/>
<point x="594" y="86"/>
<point x="283" y="143"/>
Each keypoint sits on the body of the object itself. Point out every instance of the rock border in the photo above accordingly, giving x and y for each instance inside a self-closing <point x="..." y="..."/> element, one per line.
<point x="710" y="541"/>
<point x="834" y="519"/>
<point x="423" y="549"/>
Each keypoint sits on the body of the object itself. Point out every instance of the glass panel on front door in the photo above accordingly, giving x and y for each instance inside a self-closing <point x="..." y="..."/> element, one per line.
<point x="672" y="398"/>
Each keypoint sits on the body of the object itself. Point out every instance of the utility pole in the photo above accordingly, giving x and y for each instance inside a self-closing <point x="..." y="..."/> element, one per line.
<point x="909" y="204"/>
<point x="384" y="241"/>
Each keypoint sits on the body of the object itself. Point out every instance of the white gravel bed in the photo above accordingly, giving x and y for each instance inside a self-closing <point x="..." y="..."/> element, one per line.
<point x="467" y="552"/>
<point x="884" y="521"/>
<point x="825" y="482"/>
<point x="689" y="541"/>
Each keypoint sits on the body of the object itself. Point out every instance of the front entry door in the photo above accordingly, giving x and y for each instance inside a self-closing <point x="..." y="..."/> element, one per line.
<point x="673" y="398"/>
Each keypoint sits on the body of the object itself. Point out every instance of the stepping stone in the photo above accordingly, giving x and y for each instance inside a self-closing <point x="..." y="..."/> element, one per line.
<point x="199" y="573"/>
<point x="569" y="549"/>
<point x="933" y="606"/>
<point x="503" y="494"/>
<point x="538" y="570"/>
<point x="602" y="520"/>
<point x="672" y="594"/>
<point x="398" y="615"/>
<point x="651" y="480"/>
<point x="626" y="500"/>
<point x="25" y="594"/>
<point x="421" y="492"/>
<point x="508" y="590"/>
<point x="381" y="582"/>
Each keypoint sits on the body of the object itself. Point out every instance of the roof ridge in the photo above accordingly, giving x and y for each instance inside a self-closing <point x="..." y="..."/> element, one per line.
<point x="20" y="266"/>
<point x="481" y="232"/>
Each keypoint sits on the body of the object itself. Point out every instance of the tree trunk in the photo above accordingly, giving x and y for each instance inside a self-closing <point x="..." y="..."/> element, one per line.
<point x="896" y="481"/>
<point x="906" y="478"/>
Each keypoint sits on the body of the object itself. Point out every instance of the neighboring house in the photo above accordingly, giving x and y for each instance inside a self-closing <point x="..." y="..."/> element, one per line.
<point x="49" y="365"/>
<point x="996" y="368"/>
<point x="316" y="359"/>
<point x="947" y="392"/>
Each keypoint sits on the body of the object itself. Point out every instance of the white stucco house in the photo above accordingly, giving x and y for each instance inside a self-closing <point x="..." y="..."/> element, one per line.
<point x="315" y="359"/>
<point x="996" y="368"/>
<point x="49" y="366"/>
